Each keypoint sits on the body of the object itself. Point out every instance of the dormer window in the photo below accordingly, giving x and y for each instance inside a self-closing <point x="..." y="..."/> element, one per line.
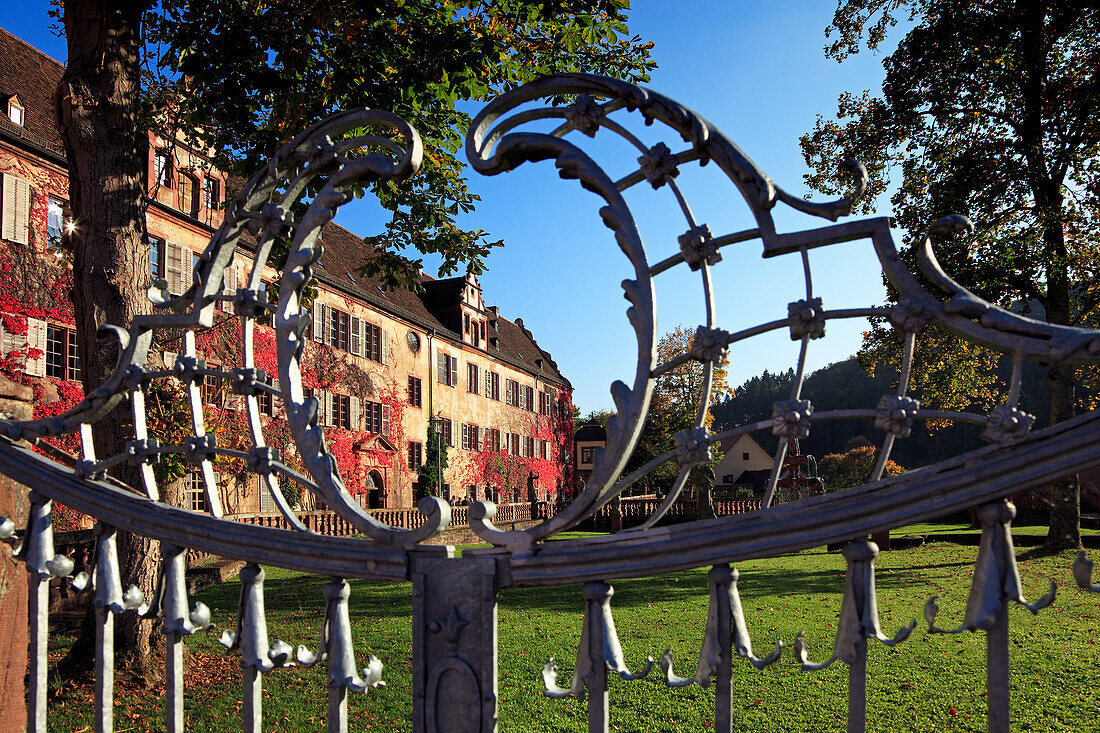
<point x="16" y="113"/>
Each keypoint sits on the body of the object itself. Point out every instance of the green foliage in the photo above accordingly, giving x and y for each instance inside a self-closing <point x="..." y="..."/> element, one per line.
<point x="845" y="470"/>
<point x="987" y="110"/>
<point x="847" y="385"/>
<point x="674" y="408"/>
<point x="594" y="416"/>
<point x="248" y="76"/>
<point x="435" y="463"/>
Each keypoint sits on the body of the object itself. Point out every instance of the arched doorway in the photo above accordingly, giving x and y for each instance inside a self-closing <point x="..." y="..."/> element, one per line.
<point x="376" y="491"/>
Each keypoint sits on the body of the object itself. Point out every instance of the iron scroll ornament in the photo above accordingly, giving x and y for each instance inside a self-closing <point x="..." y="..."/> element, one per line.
<point x="321" y="161"/>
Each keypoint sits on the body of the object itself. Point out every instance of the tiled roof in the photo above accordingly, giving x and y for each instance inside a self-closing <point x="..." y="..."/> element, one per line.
<point x="27" y="72"/>
<point x="345" y="253"/>
<point x="33" y="76"/>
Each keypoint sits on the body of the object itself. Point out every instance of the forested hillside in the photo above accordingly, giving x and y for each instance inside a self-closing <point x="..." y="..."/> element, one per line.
<point x="846" y="385"/>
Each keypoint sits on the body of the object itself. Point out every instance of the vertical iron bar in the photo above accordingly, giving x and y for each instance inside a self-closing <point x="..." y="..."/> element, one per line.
<point x="104" y="668"/>
<point x="39" y="541"/>
<point x="597" y="595"/>
<point x="996" y="670"/>
<point x="252" y="694"/>
<point x="173" y="682"/>
<point x="857" y="690"/>
<point x="337" y="708"/>
<point x="720" y="578"/>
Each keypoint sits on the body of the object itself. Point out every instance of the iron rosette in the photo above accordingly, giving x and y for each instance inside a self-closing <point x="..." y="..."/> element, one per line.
<point x="310" y="177"/>
<point x="511" y="131"/>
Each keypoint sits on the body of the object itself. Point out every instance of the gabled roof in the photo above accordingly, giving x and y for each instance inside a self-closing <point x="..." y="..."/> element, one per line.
<point x="32" y="76"/>
<point x="344" y="254"/>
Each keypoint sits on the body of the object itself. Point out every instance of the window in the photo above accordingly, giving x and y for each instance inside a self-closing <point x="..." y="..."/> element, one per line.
<point x="187" y="195"/>
<point x="378" y="417"/>
<point x="372" y="346"/>
<point x="727" y="478"/>
<point x="339" y="329"/>
<point x="447" y="369"/>
<point x="529" y="445"/>
<point x="162" y="170"/>
<point x="62" y="359"/>
<point x="744" y="456"/>
<point x="210" y="193"/>
<point x="16" y="210"/>
<point x="544" y="449"/>
<point x="528" y="395"/>
<point x="511" y="392"/>
<point x="55" y="223"/>
<point x="492" y="386"/>
<point x="513" y="443"/>
<point x="196" y="493"/>
<point x="414" y="391"/>
<point x="471" y="437"/>
<point x="492" y="439"/>
<point x="416" y="455"/>
<point x="73" y="356"/>
<point x="350" y="333"/>
<point x="156" y="258"/>
<point x="586" y="454"/>
<point x="466" y="322"/>
<point x="546" y="403"/>
<point x="341" y="411"/>
<point x="211" y="389"/>
<point x="473" y="378"/>
<point x="16" y="113"/>
<point x="266" y="400"/>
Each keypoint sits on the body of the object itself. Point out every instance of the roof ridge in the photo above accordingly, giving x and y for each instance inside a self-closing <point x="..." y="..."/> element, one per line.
<point x="38" y="51"/>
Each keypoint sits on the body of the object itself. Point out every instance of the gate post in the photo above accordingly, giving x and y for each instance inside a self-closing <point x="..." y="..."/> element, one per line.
<point x="454" y="642"/>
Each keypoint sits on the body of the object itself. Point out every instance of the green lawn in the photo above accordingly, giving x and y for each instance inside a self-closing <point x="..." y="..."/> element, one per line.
<point x="928" y="683"/>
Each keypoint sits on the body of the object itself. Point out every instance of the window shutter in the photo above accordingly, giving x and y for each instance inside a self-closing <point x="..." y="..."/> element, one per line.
<point x="10" y="342"/>
<point x="322" y="406"/>
<point x="333" y="408"/>
<point x="441" y="367"/>
<point x="488" y="383"/>
<point x="318" y="322"/>
<point x="454" y="372"/>
<point x="36" y="339"/>
<point x="353" y="412"/>
<point x="385" y="346"/>
<point x="465" y="436"/>
<point x="229" y="286"/>
<point x="9" y="209"/>
<point x="187" y="268"/>
<point x="17" y="209"/>
<point x="277" y="402"/>
<point x="173" y="273"/>
<point x="169" y="359"/>
<point x="326" y="325"/>
<point x="356" y="341"/>
<point x="386" y="420"/>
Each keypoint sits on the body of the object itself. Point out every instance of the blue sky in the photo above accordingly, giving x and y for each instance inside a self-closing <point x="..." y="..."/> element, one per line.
<point x="755" y="70"/>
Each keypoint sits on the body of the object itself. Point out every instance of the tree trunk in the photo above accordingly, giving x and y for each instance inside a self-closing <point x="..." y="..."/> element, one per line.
<point x="1065" y="496"/>
<point x="108" y="151"/>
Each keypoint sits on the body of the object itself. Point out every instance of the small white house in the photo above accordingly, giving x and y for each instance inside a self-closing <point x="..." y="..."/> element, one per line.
<point x="743" y="456"/>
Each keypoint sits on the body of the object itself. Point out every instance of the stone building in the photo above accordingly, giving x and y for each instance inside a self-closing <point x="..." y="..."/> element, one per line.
<point x="383" y="362"/>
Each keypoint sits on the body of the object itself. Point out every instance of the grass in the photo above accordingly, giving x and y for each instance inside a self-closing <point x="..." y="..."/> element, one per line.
<point x="931" y="529"/>
<point x="928" y="683"/>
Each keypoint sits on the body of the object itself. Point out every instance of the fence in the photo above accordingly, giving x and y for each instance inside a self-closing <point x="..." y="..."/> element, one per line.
<point x="454" y="629"/>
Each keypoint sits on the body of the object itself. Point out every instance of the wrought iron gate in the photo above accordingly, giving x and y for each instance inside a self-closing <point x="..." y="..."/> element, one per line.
<point x="454" y="600"/>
